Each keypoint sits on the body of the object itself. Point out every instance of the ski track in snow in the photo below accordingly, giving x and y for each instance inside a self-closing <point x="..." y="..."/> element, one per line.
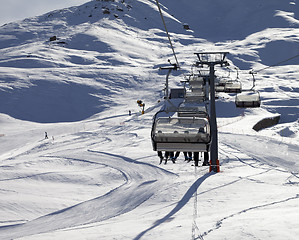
<point x="140" y="183"/>
<point x="220" y="222"/>
<point x="269" y="158"/>
<point x="96" y="177"/>
<point x="135" y="184"/>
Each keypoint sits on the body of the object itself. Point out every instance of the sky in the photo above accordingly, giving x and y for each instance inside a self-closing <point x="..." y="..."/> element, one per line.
<point x="13" y="10"/>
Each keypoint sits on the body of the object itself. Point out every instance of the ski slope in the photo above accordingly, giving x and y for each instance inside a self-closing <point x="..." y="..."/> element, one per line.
<point x="96" y="176"/>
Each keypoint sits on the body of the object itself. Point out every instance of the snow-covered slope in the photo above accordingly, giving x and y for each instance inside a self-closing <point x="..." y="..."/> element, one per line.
<point x="95" y="57"/>
<point x="96" y="176"/>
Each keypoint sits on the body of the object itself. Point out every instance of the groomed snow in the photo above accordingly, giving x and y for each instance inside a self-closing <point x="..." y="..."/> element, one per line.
<point x="96" y="175"/>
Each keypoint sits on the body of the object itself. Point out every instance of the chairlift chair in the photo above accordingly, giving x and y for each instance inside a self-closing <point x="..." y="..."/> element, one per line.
<point x="197" y="88"/>
<point x="219" y="88"/>
<point x="221" y="81"/>
<point x="187" y="109"/>
<point x="233" y="87"/>
<point x="197" y="93"/>
<point x="197" y="80"/>
<point x="220" y="84"/>
<point x="186" y="134"/>
<point x="250" y="98"/>
<point x="198" y="96"/>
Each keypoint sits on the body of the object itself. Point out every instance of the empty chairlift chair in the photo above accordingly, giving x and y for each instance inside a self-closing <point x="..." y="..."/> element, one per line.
<point x="220" y="83"/>
<point x="249" y="98"/>
<point x="197" y="92"/>
<point x="233" y="86"/>
<point x="192" y="109"/>
<point x="196" y="95"/>
<point x="196" y="81"/>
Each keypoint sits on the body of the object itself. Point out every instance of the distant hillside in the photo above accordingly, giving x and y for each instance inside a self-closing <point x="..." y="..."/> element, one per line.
<point x="70" y="64"/>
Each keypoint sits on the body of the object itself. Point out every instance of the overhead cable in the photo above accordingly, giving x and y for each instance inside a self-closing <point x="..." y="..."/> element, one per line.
<point x="158" y="4"/>
<point x="277" y="64"/>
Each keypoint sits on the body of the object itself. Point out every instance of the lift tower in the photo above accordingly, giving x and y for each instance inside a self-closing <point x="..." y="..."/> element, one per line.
<point x="211" y="59"/>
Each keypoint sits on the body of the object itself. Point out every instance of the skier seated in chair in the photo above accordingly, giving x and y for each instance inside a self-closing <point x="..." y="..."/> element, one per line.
<point x="166" y="156"/>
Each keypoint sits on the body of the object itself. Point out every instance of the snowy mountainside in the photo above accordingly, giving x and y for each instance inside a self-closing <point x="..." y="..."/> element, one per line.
<point x="233" y="20"/>
<point x="106" y="48"/>
<point x="108" y="37"/>
<point x="96" y="176"/>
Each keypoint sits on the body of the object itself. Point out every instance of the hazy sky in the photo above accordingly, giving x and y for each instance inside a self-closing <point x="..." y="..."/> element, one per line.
<point x="12" y="10"/>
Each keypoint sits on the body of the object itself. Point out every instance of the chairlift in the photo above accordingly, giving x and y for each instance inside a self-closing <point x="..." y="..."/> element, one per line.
<point x="196" y="85"/>
<point x="233" y="86"/>
<point x="196" y="80"/>
<point x="249" y="98"/>
<point x="222" y="81"/>
<point x="197" y="93"/>
<point x="198" y="88"/>
<point x="220" y="84"/>
<point x="177" y="93"/>
<point x="219" y="88"/>
<point x="189" y="109"/>
<point x="195" y="96"/>
<point x="230" y="86"/>
<point x="186" y="134"/>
